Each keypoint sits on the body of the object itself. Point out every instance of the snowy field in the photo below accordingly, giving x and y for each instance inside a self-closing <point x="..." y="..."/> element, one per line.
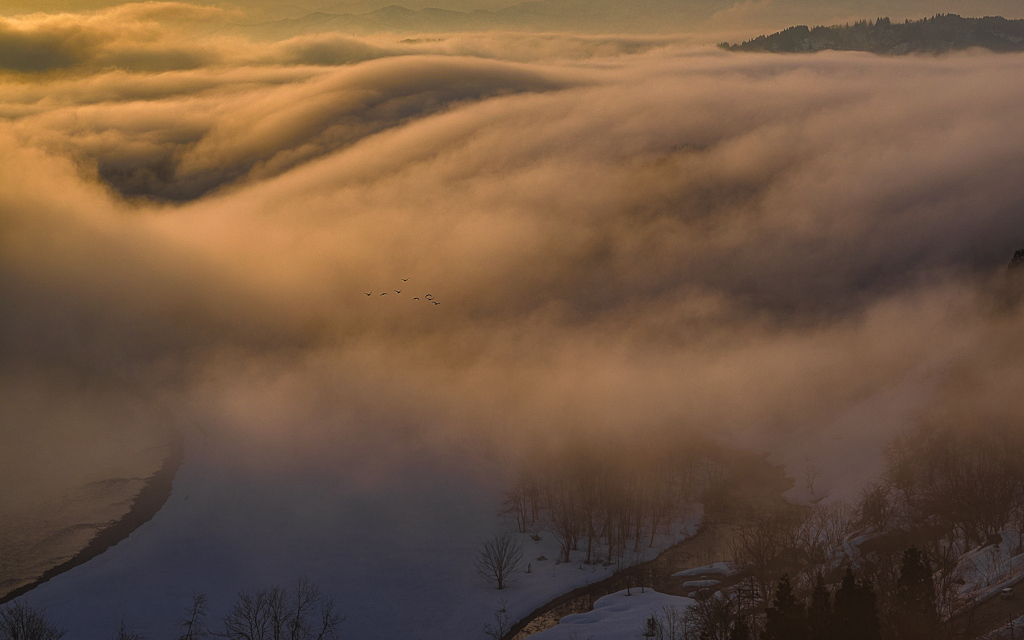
<point x="617" y="616"/>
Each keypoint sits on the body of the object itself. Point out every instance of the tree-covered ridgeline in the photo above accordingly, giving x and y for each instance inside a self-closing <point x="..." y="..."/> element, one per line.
<point x="938" y="34"/>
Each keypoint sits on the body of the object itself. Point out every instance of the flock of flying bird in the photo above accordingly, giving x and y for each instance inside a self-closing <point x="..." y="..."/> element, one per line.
<point x="429" y="297"/>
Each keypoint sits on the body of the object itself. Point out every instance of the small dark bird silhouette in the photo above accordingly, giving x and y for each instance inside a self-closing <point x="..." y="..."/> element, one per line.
<point x="415" y="298"/>
<point x="370" y="294"/>
<point x="405" y="279"/>
<point x="384" y="294"/>
<point x="396" y="291"/>
<point x="435" y="302"/>
<point x="429" y="295"/>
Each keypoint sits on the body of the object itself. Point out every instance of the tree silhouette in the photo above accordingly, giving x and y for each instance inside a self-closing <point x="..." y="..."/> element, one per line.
<point x="278" y="613"/>
<point x="786" y="619"/>
<point x="740" y="630"/>
<point x="18" y="621"/>
<point x="916" y="616"/>
<point x="124" y="634"/>
<point x="855" y="615"/>
<point x="192" y="621"/>
<point x="819" y="614"/>
<point x="499" y="557"/>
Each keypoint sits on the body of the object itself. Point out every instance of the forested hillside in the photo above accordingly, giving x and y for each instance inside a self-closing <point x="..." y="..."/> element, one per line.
<point x="944" y="32"/>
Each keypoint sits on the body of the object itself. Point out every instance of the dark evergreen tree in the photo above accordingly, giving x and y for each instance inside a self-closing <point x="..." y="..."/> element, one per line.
<point x="916" y="615"/>
<point x="740" y="630"/>
<point x="786" y="619"/>
<point x="855" y="615"/>
<point x="819" y="614"/>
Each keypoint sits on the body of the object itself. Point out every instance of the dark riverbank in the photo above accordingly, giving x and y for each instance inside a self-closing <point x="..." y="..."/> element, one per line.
<point x="150" y="499"/>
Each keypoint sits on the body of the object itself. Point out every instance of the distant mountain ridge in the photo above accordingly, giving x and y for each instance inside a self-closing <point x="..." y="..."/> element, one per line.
<point x="939" y="34"/>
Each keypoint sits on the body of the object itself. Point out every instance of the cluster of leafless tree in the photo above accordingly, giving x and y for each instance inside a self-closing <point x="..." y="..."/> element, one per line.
<point x="711" y="616"/>
<point x="18" y="621"/>
<point x="280" y="613"/>
<point x="608" y="503"/>
<point x="966" y="482"/>
<point x="799" y="541"/>
<point x="299" y="612"/>
<point x="810" y="545"/>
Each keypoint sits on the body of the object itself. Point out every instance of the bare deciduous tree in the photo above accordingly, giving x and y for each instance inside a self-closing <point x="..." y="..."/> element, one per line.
<point x="769" y="546"/>
<point x="711" y="616"/>
<point x="876" y="508"/>
<point x="18" y="621"/>
<point x="811" y="473"/>
<point x="192" y="621"/>
<point x="502" y="622"/>
<point x="278" y="613"/>
<point x="499" y="557"/>
<point x="124" y="634"/>
<point x="249" y="618"/>
<point x="668" y="624"/>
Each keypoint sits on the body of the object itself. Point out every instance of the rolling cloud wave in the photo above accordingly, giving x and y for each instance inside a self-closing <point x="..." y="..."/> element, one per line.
<point x="665" y="240"/>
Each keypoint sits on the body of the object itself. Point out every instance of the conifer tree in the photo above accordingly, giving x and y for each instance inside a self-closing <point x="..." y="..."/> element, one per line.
<point x="855" y="615"/>
<point x="916" y="615"/>
<point x="740" y="630"/>
<point x="786" y="619"/>
<point x="819" y="614"/>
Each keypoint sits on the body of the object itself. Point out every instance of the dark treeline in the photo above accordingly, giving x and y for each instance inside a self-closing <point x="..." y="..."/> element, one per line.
<point x="610" y="502"/>
<point x="941" y="33"/>
<point x="850" y="610"/>
<point x="947" y="491"/>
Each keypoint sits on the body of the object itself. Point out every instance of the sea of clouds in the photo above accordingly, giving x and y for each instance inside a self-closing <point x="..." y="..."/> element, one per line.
<point x="628" y="236"/>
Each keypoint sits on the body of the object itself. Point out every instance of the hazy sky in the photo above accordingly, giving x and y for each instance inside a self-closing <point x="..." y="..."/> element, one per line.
<point x="677" y="15"/>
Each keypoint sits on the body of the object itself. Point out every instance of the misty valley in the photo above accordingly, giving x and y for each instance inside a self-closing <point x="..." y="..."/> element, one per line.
<point x="561" y="320"/>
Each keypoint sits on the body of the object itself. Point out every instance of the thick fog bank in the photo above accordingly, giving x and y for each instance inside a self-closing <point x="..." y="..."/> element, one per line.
<point x="622" y="237"/>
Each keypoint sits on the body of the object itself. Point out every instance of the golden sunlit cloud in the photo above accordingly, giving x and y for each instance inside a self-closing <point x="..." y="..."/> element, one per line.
<point x="618" y="234"/>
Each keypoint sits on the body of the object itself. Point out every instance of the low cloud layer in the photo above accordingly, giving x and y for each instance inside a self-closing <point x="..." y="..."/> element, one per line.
<point x="625" y="237"/>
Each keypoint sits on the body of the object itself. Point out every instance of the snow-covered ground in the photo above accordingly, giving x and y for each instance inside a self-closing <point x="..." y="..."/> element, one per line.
<point x="987" y="569"/>
<point x="396" y="554"/>
<point x="714" y="569"/>
<point x="617" y="616"/>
